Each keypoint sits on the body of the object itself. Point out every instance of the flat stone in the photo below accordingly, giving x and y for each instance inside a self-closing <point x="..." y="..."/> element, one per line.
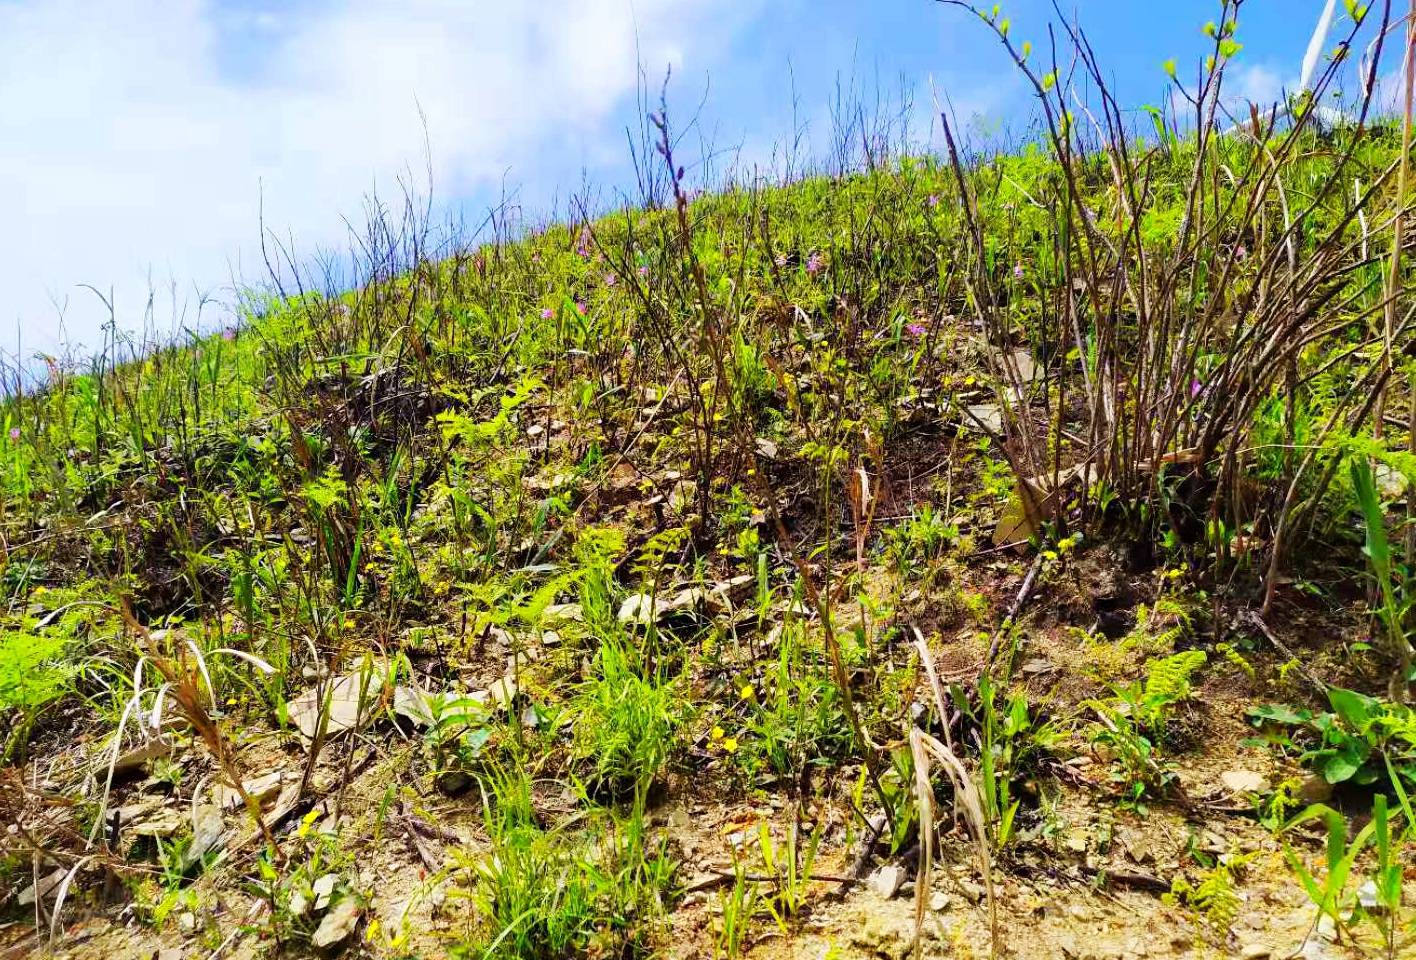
<point x="1242" y="782"/>
<point x="208" y="830"/>
<point x="887" y="880"/>
<point x="352" y="699"/>
<point x="337" y="925"/>
<point x="161" y="823"/>
<point x="46" y="885"/>
<point x="987" y="414"/>
<point x="138" y="757"/>
<point x="323" y="889"/>
<point x="502" y="692"/>
<point x="260" y="789"/>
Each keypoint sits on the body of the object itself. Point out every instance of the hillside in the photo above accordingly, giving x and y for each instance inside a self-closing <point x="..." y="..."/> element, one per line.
<point x="971" y="554"/>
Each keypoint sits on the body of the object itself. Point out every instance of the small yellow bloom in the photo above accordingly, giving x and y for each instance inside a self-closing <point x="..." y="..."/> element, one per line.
<point x="348" y="623"/>
<point x="40" y="590"/>
<point x="307" y="822"/>
<point x="373" y="932"/>
<point x="746" y="692"/>
<point x="369" y="567"/>
<point x="730" y="745"/>
<point x="716" y="733"/>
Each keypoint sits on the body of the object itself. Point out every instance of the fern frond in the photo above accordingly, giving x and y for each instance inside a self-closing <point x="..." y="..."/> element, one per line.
<point x="1168" y="678"/>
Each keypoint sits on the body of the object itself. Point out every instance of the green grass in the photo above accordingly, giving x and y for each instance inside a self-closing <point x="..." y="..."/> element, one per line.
<point x="805" y="398"/>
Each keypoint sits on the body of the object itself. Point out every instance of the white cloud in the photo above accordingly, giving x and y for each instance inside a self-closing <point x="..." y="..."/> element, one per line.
<point x="1258" y="84"/>
<point x="135" y="136"/>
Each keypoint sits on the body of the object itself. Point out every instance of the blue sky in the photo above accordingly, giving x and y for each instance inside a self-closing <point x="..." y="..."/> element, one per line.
<point x="137" y="137"/>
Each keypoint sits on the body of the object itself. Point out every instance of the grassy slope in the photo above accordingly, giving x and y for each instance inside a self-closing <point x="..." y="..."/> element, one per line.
<point x="764" y="402"/>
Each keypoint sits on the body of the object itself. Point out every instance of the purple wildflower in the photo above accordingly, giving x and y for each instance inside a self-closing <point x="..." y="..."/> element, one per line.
<point x="1241" y="252"/>
<point x="15" y="434"/>
<point x="1018" y="272"/>
<point x="547" y="313"/>
<point x="229" y="334"/>
<point x="643" y="270"/>
<point x="1195" y="388"/>
<point x="580" y="307"/>
<point x="582" y="244"/>
<point x="915" y="329"/>
<point x="815" y="263"/>
<point x="932" y="200"/>
<point x="611" y="280"/>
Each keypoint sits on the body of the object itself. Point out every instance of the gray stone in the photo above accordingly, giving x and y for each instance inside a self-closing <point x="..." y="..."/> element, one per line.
<point x="337" y="925"/>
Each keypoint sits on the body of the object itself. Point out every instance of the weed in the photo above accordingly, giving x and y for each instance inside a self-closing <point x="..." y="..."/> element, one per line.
<point x="33" y="675"/>
<point x="1132" y="723"/>
<point x="1394" y="590"/>
<point x="1215" y="899"/>
<point x="1012" y="741"/>
<point x="1362" y="739"/>
<point x="544" y="894"/>
<point x="1381" y="903"/>
<point x="303" y="885"/>
<point x="738" y="906"/>
<point x="625" y="723"/>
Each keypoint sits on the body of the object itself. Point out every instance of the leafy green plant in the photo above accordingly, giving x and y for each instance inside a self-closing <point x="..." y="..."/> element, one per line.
<point x="625" y="723"/>
<point x="1394" y="588"/>
<point x="549" y="893"/>
<point x="923" y="536"/>
<point x="456" y="734"/>
<point x="1132" y="723"/>
<point x="1362" y="739"/>
<point x="1330" y="893"/>
<point x="797" y="721"/>
<point x="789" y="864"/>
<point x="310" y="879"/>
<point x="33" y="675"/>
<point x="1012" y="741"/>
<point x="1215" y="899"/>
<point x="738" y="906"/>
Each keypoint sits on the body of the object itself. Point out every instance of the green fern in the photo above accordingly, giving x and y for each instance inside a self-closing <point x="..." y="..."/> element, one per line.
<point x="1168" y="678"/>
<point x="1215" y="899"/>
<point x="652" y="556"/>
<point x="1237" y="660"/>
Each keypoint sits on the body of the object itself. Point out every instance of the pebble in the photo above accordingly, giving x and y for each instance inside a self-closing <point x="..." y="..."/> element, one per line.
<point x="887" y="880"/>
<point x="337" y="924"/>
